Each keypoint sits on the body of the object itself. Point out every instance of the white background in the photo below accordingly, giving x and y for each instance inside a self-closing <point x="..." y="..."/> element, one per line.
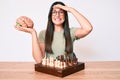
<point x="102" y="44"/>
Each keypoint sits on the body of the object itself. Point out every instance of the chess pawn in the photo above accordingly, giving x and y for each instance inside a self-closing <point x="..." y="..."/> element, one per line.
<point x="64" y="64"/>
<point x="61" y="65"/>
<point x="51" y="62"/>
<point x="44" y="61"/>
<point x="47" y="61"/>
<point x="56" y="63"/>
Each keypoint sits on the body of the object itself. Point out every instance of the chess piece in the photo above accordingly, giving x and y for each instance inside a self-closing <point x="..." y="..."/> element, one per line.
<point x="56" y="63"/>
<point x="61" y="65"/>
<point x="44" y="62"/>
<point x="64" y="65"/>
<point x="75" y="60"/>
<point x="47" y="61"/>
<point x="51" y="62"/>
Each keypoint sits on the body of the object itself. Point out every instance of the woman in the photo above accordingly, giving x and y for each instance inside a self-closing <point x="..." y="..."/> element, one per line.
<point x="58" y="38"/>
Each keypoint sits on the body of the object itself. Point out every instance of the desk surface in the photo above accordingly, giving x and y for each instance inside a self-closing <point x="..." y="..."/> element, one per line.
<point x="93" y="71"/>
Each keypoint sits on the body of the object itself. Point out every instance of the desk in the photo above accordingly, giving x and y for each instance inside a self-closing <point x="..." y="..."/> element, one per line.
<point x="108" y="70"/>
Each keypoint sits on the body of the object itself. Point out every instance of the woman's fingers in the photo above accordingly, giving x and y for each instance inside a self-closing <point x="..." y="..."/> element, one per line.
<point x="24" y="21"/>
<point x="21" y="22"/>
<point x="29" y="22"/>
<point x="24" y="29"/>
<point x="66" y="8"/>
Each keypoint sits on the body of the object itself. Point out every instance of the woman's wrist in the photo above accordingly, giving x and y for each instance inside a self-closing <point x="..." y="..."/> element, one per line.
<point x="33" y="31"/>
<point x="71" y="10"/>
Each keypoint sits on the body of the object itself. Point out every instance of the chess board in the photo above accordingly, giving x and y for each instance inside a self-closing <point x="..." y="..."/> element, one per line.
<point x="58" y="71"/>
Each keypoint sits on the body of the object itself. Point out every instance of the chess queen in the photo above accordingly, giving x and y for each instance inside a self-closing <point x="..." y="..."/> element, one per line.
<point x="57" y="39"/>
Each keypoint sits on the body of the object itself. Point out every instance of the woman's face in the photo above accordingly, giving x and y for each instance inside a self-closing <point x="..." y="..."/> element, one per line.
<point x="58" y="16"/>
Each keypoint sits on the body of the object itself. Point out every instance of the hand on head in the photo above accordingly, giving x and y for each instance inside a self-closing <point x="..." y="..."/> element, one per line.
<point x="66" y="8"/>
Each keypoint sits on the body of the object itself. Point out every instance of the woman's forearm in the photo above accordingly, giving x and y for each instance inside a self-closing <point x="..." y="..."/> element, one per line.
<point x="84" y="23"/>
<point x="36" y="52"/>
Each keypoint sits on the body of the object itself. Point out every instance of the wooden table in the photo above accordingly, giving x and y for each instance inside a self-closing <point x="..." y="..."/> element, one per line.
<point x="108" y="70"/>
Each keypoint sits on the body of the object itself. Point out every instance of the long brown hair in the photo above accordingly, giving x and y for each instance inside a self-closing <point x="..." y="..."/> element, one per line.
<point x="50" y="32"/>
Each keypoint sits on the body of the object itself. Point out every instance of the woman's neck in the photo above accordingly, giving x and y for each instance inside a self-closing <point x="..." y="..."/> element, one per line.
<point x="58" y="28"/>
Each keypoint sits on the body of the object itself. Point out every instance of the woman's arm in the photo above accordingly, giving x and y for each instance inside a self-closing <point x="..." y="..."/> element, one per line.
<point x="36" y="46"/>
<point x="85" y="26"/>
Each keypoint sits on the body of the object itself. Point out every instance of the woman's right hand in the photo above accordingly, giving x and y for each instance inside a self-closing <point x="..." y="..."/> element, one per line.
<point x="24" y="24"/>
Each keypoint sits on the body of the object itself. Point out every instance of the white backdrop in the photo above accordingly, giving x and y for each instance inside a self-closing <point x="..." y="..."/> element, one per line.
<point x="102" y="44"/>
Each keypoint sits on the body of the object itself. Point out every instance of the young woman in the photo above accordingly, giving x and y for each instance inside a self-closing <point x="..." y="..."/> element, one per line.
<point x="58" y="38"/>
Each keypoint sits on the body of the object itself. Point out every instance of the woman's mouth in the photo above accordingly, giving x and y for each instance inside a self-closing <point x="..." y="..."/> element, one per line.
<point x="57" y="19"/>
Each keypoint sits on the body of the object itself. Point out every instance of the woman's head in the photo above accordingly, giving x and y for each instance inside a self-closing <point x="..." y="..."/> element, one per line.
<point x="55" y="13"/>
<point x="57" y="17"/>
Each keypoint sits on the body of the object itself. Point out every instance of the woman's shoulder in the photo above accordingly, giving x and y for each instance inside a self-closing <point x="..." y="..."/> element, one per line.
<point x="73" y="29"/>
<point x="72" y="33"/>
<point x="42" y="36"/>
<point x="42" y="32"/>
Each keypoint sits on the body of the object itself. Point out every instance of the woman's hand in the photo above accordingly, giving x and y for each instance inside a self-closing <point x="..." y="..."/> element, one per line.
<point x="24" y="29"/>
<point x="85" y="26"/>
<point x="66" y="8"/>
<point x="24" y="24"/>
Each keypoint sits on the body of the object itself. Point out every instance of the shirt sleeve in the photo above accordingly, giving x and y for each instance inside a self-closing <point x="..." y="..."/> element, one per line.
<point x="41" y="36"/>
<point x="72" y="32"/>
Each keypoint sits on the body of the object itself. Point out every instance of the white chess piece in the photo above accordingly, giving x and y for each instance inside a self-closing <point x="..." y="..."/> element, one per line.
<point x="44" y="61"/>
<point x="51" y="62"/>
<point x="61" y="64"/>
<point x="47" y="61"/>
<point x="64" y="64"/>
